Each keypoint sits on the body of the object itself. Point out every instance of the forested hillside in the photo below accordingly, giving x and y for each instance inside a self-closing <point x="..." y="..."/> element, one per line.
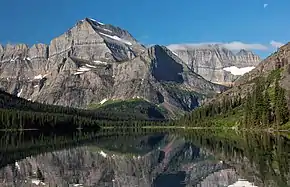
<point x="17" y="113"/>
<point x="262" y="105"/>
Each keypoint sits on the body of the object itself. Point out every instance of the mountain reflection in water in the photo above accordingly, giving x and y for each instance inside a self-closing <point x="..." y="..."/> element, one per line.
<point x="145" y="158"/>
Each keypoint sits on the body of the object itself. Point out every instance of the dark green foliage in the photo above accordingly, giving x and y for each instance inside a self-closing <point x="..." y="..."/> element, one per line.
<point x="264" y="106"/>
<point x="8" y="101"/>
<point x="17" y="113"/>
<point x="268" y="154"/>
<point x="39" y="175"/>
<point x="140" y="108"/>
<point x="16" y="119"/>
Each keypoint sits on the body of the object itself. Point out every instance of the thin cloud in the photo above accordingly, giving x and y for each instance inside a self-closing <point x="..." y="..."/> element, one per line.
<point x="143" y="38"/>
<point x="276" y="44"/>
<point x="235" y="46"/>
<point x="265" y="5"/>
<point x="239" y="45"/>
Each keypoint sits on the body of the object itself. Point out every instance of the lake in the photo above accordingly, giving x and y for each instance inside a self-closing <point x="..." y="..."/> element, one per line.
<point x="145" y="158"/>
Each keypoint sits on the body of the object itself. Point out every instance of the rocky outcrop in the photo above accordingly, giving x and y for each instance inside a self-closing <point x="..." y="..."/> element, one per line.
<point x="93" y="62"/>
<point x="216" y="63"/>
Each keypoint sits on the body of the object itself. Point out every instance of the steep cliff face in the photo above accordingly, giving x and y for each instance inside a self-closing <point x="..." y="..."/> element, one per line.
<point x="215" y="62"/>
<point x="93" y="62"/>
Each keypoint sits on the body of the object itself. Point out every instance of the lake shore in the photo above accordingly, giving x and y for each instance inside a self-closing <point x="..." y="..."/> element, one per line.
<point x="202" y="128"/>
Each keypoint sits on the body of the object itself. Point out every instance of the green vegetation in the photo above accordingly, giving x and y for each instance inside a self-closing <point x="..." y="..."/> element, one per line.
<point x="264" y="107"/>
<point x="177" y="93"/>
<point x="17" y="113"/>
<point x="142" y="109"/>
<point x="173" y="88"/>
<point x="266" y="154"/>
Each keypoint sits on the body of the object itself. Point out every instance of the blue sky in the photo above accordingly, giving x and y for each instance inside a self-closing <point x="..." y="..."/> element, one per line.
<point x="154" y="21"/>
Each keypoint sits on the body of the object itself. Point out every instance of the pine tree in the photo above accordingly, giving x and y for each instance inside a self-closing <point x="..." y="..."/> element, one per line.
<point x="247" y="111"/>
<point x="266" y="115"/>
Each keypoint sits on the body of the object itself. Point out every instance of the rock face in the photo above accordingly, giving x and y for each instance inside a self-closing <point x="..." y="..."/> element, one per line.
<point x="94" y="61"/>
<point x="216" y="63"/>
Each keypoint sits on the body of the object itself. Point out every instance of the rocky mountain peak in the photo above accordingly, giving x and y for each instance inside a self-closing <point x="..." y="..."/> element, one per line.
<point x="244" y="52"/>
<point x="212" y="61"/>
<point x="94" y="62"/>
<point x="1" y="51"/>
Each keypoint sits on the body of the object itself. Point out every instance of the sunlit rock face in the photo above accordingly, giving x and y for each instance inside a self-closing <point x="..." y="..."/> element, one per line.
<point x="94" y="61"/>
<point x="215" y="62"/>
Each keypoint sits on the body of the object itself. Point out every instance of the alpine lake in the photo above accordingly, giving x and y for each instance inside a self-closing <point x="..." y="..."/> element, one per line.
<point x="145" y="158"/>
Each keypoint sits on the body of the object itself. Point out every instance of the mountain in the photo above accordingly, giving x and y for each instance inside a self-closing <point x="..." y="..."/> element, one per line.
<point x="258" y="99"/>
<point x="216" y="63"/>
<point x="94" y="62"/>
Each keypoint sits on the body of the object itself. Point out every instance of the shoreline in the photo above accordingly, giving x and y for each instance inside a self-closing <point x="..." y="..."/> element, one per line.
<point x="200" y="128"/>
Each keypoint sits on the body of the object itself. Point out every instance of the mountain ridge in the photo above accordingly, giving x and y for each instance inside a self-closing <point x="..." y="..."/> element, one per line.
<point x="215" y="62"/>
<point x="92" y="62"/>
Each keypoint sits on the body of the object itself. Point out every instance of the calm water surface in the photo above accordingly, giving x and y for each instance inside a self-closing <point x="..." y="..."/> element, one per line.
<point x="145" y="159"/>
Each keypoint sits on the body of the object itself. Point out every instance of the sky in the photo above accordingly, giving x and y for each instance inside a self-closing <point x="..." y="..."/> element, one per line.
<point x="258" y="25"/>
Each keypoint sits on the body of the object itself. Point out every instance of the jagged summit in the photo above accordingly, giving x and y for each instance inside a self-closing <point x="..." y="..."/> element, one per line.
<point x="212" y="61"/>
<point x="94" y="62"/>
<point x="244" y="52"/>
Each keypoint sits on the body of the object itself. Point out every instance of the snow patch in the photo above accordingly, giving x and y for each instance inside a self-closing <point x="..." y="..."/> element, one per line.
<point x="96" y="21"/>
<point x="238" y="71"/>
<point x="19" y="93"/>
<point x="174" y="53"/>
<point x="37" y="182"/>
<point x="27" y="58"/>
<point x="79" y="73"/>
<point x="107" y="30"/>
<point x="90" y="66"/>
<point x="38" y="77"/>
<point x="17" y="166"/>
<point x="13" y="59"/>
<point x="93" y="19"/>
<point x="242" y="183"/>
<point x="84" y="69"/>
<point x="100" y="62"/>
<point x="100" y="23"/>
<point x="116" y="38"/>
<point x="76" y="185"/>
<point x="35" y="86"/>
<point x="103" y="101"/>
<point x="103" y="154"/>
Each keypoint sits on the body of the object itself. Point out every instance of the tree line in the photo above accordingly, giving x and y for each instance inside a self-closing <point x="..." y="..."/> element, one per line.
<point x="18" y="113"/>
<point x="264" y="106"/>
